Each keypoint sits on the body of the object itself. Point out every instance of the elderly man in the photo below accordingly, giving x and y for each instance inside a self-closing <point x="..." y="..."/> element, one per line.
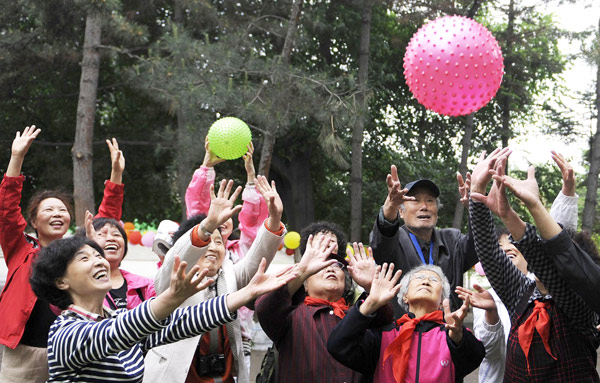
<point x="216" y="356"/>
<point x="299" y="325"/>
<point x="418" y="241"/>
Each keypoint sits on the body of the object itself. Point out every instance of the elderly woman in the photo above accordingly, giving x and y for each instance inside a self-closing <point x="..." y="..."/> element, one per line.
<point x="553" y="335"/>
<point x="91" y="343"/>
<point x="424" y="345"/>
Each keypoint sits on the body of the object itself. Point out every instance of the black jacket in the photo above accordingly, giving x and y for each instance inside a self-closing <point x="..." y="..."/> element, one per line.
<point x="453" y="252"/>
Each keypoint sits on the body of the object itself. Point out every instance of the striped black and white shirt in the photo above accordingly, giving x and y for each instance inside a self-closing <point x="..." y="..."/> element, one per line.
<point x="83" y="347"/>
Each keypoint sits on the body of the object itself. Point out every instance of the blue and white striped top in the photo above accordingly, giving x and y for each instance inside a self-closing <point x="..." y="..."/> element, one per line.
<point x="81" y="349"/>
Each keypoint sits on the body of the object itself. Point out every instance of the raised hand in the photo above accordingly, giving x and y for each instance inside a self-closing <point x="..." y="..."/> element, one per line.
<point x="526" y="190"/>
<point x="90" y="232"/>
<point x="384" y="288"/>
<point x="260" y="284"/>
<point x="454" y="320"/>
<point x="396" y="195"/>
<point x="274" y="204"/>
<point x="181" y="287"/>
<point x="481" y="298"/>
<point x="361" y="266"/>
<point x="315" y="257"/>
<point x="222" y="205"/>
<point x="568" y="174"/>
<point x="185" y="285"/>
<point x="117" y="161"/>
<point x="210" y="158"/>
<point x="20" y="147"/>
<point x="496" y="199"/>
<point x="481" y="176"/>
<point x="249" y="164"/>
<point x="464" y="187"/>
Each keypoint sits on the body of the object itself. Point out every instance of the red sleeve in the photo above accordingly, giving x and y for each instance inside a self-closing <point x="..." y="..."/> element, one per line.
<point x="12" y="222"/>
<point x="112" y="201"/>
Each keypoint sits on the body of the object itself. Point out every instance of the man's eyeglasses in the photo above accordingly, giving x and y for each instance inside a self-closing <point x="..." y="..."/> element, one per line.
<point x="422" y="277"/>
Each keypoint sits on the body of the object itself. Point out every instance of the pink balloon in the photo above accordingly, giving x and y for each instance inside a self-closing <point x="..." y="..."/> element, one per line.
<point x="453" y="65"/>
<point x="148" y="238"/>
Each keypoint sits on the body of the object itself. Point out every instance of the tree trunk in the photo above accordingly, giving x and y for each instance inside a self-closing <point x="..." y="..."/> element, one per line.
<point x="290" y="37"/>
<point x="270" y="135"/>
<point x="295" y="186"/>
<point x="83" y="185"/>
<point x="466" y="147"/>
<point x="589" y="209"/>
<point x="357" y="132"/>
<point x="266" y="153"/>
<point x="506" y="99"/>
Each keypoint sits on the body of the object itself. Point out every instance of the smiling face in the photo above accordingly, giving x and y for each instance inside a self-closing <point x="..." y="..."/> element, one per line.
<point x="52" y="220"/>
<point x="87" y="276"/>
<point x="513" y="253"/>
<point x="420" y="215"/>
<point x="112" y="242"/>
<point x="214" y="256"/>
<point x="425" y="289"/>
<point x="329" y="283"/>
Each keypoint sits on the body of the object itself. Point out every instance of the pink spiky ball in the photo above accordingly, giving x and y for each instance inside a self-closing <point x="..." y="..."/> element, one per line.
<point x="453" y="65"/>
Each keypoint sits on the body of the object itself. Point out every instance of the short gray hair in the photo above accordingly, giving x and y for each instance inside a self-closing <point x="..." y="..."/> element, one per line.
<point x="407" y="277"/>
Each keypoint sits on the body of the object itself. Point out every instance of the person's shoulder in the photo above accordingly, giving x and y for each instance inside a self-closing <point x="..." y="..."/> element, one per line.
<point x="448" y="233"/>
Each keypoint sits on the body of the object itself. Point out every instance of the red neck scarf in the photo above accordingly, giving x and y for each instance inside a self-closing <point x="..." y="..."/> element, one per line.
<point x="540" y="321"/>
<point x="399" y="348"/>
<point x="338" y="306"/>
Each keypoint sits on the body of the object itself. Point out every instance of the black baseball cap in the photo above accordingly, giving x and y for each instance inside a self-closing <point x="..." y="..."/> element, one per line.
<point x="424" y="183"/>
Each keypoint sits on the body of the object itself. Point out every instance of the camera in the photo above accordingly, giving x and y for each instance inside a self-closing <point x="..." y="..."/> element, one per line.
<point x="209" y="365"/>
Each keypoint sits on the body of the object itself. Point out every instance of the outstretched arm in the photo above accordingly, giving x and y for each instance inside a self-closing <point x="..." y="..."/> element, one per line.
<point x="396" y="195"/>
<point x="528" y="192"/>
<point x="361" y="266"/>
<point x="112" y="200"/>
<point x="314" y="259"/>
<point x="117" y="161"/>
<point x="384" y="288"/>
<point x="19" y="149"/>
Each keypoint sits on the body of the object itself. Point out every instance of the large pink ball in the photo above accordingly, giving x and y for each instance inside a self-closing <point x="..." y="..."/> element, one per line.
<point x="453" y="65"/>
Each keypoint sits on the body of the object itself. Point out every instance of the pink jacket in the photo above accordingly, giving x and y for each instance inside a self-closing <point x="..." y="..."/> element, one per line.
<point x="138" y="287"/>
<point x="434" y="361"/>
<point x="253" y="214"/>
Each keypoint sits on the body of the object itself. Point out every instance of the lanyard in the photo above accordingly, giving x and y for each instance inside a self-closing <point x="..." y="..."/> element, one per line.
<point x="418" y="248"/>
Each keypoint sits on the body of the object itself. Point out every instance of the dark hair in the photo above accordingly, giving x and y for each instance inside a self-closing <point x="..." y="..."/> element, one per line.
<point x="188" y="224"/>
<point x="501" y="231"/>
<point x="51" y="264"/>
<point x="323" y="227"/>
<point x="100" y="222"/>
<point x="34" y="203"/>
<point x="587" y="244"/>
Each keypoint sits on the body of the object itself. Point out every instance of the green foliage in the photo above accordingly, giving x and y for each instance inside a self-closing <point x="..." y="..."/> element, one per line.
<point x="170" y="68"/>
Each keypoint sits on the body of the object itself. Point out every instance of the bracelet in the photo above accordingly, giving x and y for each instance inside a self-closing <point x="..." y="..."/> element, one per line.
<point x="206" y="232"/>
<point x="250" y="183"/>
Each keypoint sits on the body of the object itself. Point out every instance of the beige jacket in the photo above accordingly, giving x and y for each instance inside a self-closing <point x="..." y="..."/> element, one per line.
<point x="171" y="362"/>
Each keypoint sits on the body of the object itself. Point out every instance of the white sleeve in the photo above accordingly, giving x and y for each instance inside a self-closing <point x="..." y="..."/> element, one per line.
<point x="491" y="335"/>
<point x="564" y="210"/>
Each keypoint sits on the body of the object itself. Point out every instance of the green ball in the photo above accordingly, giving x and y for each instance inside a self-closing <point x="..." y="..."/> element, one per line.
<point x="229" y="138"/>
